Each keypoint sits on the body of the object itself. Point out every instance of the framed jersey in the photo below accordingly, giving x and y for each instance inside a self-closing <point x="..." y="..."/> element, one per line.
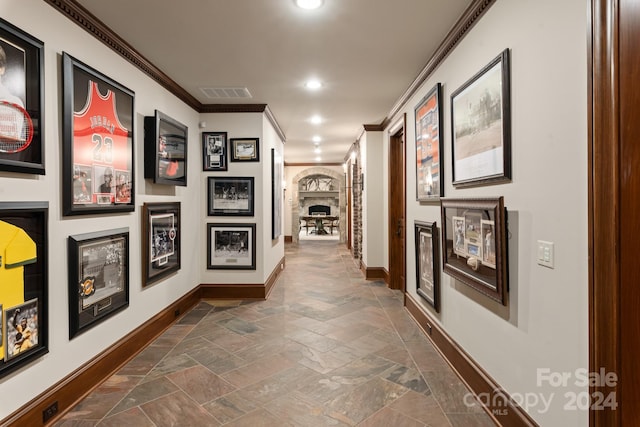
<point x="98" y="175"/>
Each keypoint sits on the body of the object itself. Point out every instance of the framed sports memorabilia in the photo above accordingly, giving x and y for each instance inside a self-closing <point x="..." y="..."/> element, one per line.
<point x="230" y="196"/>
<point x="481" y="126"/>
<point x="214" y="151"/>
<point x="21" y="101"/>
<point x="98" y="277"/>
<point x="475" y="244"/>
<point x="23" y="275"/>
<point x="427" y="263"/>
<point x="231" y="246"/>
<point x="245" y="149"/>
<point x="160" y="240"/>
<point x="165" y="150"/>
<point x="97" y="159"/>
<point x="429" y="146"/>
<point x="276" y="194"/>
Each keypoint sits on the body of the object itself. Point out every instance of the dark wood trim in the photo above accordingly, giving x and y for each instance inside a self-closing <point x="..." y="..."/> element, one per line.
<point x="288" y="239"/>
<point x="313" y="164"/>
<point x="373" y="273"/>
<point x="74" y="387"/>
<point x="240" y="290"/>
<point x="604" y="195"/>
<point x="506" y="413"/>
<point x="233" y="108"/>
<point x="468" y="19"/>
<point x="373" y="128"/>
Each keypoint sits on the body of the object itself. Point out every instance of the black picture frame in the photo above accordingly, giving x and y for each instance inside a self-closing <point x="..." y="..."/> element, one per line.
<point x="474" y="242"/>
<point x="245" y="149"/>
<point x="231" y="246"/>
<point x="96" y="142"/>
<point x="429" y="146"/>
<point x="98" y="277"/>
<point x="161" y="248"/>
<point x="24" y="67"/>
<point x="214" y="151"/>
<point x="276" y="193"/>
<point x="428" y="262"/>
<point x="230" y="195"/>
<point x="481" y="126"/>
<point x="24" y="290"/>
<point x="165" y="150"/>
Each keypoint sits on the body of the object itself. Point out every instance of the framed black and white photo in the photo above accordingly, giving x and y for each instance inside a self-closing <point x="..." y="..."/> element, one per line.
<point x="245" y="149"/>
<point x="214" y="151"/>
<point x="230" y="196"/>
<point x="231" y="246"/>
<point x="24" y="283"/>
<point x="276" y="194"/>
<point x="427" y="263"/>
<point x="474" y="244"/>
<point x="429" y="146"/>
<point x="21" y="101"/>
<point x="165" y="150"/>
<point x="160" y="240"/>
<point x="98" y="277"/>
<point x="481" y="126"/>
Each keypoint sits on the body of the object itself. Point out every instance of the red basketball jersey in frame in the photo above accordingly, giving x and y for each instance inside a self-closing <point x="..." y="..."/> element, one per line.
<point x="100" y="141"/>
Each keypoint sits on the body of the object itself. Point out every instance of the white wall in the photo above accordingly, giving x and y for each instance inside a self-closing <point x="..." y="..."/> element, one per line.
<point x="59" y="34"/>
<point x="545" y="325"/>
<point x="373" y="239"/>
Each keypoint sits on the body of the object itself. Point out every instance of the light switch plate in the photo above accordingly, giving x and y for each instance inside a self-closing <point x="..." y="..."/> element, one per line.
<point x="545" y="253"/>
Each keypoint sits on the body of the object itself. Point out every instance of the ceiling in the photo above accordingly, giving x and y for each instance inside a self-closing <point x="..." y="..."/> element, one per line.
<point x="365" y="52"/>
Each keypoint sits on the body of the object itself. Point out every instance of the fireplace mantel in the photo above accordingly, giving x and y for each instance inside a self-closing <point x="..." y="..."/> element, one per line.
<point x="319" y="194"/>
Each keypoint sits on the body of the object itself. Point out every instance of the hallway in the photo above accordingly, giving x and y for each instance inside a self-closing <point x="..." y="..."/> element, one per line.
<point x="327" y="348"/>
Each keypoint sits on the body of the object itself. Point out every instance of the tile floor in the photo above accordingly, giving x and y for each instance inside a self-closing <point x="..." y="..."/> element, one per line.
<point x="327" y="348"/>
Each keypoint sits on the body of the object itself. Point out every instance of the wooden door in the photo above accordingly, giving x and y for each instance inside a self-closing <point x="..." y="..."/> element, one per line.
<point x="397" y="223"/>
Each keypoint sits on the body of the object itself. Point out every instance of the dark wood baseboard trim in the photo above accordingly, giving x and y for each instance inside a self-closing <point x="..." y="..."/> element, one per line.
<point x="288" y="239"/>
<point x="78" y="384"/>
<point x="501" y="407"/>
<point x="373" y="273"/>
<point x="242" y="291"/>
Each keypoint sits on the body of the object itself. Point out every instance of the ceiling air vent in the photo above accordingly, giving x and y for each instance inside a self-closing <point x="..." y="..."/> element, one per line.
<point x="226" y="92"/>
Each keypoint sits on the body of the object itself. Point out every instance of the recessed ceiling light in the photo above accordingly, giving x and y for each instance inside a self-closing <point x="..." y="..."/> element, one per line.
<point x="313" y="84"/>
<point x="309" y="4"/>
<point x="318" y="159"/>
<point x="316" y="139"/>
<point x="316" y="120"/>
<point x="317" y="150"/>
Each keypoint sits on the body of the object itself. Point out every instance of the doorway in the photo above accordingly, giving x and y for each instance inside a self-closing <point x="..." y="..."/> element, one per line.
<point x="397" y="205"/>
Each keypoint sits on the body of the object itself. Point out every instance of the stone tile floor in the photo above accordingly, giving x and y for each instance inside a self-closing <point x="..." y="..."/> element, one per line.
<point x="327" y="348"/>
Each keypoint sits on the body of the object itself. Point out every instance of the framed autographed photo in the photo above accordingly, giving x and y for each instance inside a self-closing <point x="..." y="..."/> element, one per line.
<point x="98" y="277"/>
<point x="23" y="275"/>
<point x="160" y="240"/>
<point x="475" y="244"/>
<point x="427" y="263"/>
<point x="97" y="159"/>
<point x="214" y="151"/>
<point x="276" y="194"/>
<point x="481" y="126"/>
<point x="165" y="150"/>
<point x="429" y="146"/>
<point x="21" y="101"/>
<point x="230" y="196"/>
<point x="231" y="246"/>
<point x="245" y="149"/>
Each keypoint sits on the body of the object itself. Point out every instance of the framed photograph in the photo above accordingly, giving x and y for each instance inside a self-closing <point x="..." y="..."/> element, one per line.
<point x="24" y="289"/>
<point x="214" y="151"/>
<point x="97" y="152"/>
<point x="165" y="150"/>
<point x="481" y="126"/>
<point x="160" y="240"/>
<point x="474" y="236"/>
<point x="276" y="194"/>
<point x="429" y="146"/>
<point x="245" y="149"/>
<point x="21" y="101"/>
<point x="98" y="277"/>
<point x="230" y="196"/>
<point x="427" y="264"/>
<point x="231" y="246"/>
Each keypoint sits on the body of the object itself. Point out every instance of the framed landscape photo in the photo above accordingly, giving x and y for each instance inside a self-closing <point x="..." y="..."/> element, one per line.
<point x="165" y="150"/>
<point x="21" y="101"/>
<point x="474" y="248"/>
<point x="429" y="146"/>
<point x="214" y="151"/>
<point x="24" y="285"/>
<point x="160" y="240"/>
<point x="481" y="126"/>
<point x="245" y="149"/>
<point x="230" y="196"/>
<point x="231" y="246"/>
<point x="427" y="263"/>
<point x="98" y="277"/>
<point x="97" y="152"/>
<point x="276" y="194"/>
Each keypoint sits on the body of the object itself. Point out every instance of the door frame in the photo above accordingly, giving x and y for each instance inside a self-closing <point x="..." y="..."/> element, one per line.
<point x="394" y="131"/>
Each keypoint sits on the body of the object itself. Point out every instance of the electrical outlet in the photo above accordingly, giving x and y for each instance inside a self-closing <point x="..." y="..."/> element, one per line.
<point x="50" y="411"/>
